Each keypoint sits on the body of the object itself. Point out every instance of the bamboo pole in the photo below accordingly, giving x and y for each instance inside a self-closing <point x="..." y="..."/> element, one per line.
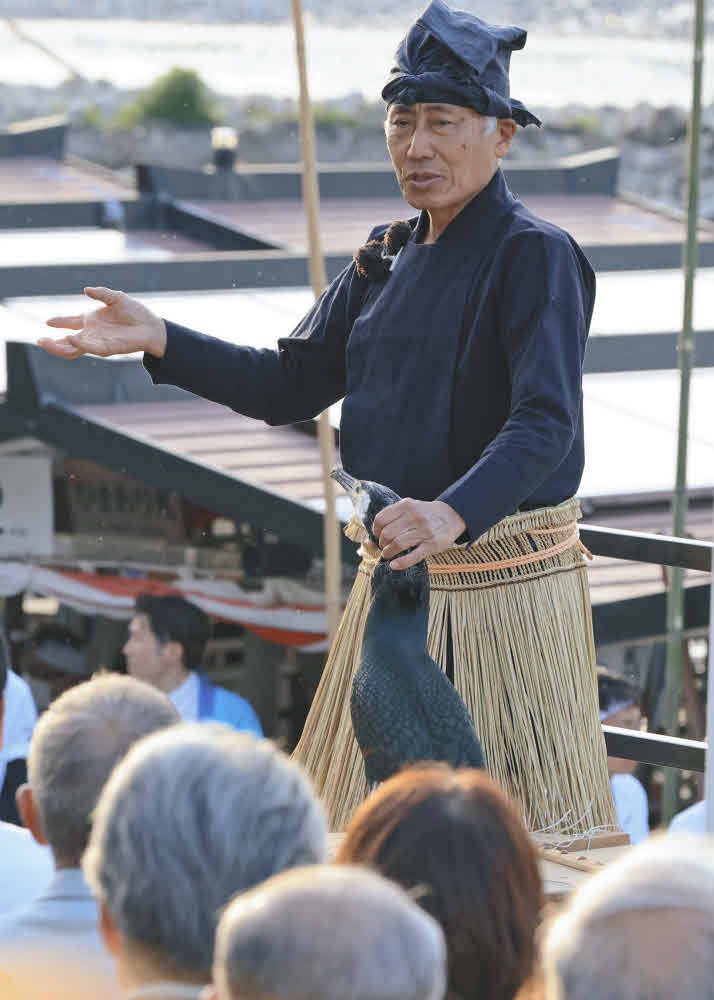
<point x="23" y="36"/>
<point x="686" y="344"/>
<point x="318" y="280"/>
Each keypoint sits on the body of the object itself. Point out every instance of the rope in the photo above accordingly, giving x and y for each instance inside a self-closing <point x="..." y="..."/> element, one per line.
<point x="436" y="569"/>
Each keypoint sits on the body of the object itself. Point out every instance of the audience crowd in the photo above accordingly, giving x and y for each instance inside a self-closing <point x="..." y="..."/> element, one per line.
<point x="162" y="858"/>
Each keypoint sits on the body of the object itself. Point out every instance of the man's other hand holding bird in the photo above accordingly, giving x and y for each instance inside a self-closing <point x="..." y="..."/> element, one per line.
<point x="422" y="526"/>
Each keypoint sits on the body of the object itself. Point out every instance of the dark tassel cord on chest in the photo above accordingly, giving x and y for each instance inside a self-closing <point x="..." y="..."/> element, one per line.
<point x="374" y="259"/>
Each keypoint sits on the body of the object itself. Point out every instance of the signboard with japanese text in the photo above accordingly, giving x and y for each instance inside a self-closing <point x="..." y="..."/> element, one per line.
<point x="102" y="501"/>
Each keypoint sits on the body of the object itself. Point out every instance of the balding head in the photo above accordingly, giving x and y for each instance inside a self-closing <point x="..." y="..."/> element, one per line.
<point x="328" y="933"/>
<point x="641" y="930"/>
<point x="75" y="746"/>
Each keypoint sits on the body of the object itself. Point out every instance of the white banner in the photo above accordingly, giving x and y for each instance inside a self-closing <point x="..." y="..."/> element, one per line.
<point x="26" y="509"/>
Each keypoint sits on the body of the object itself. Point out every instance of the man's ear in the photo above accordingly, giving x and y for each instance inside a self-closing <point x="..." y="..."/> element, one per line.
<point x="506" y="131"/>
<point x="109" y="931"/>
<point x="27" y="808"/>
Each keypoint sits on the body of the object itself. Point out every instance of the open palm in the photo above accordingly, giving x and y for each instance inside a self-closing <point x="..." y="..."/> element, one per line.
<point x="121" y="326"/>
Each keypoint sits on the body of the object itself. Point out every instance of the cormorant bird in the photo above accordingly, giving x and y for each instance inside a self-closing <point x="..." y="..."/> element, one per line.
<point x="404" y="708"/>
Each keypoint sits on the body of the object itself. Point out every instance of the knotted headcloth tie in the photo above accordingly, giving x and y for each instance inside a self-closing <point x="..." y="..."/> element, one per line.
<point x="451" y="57"/>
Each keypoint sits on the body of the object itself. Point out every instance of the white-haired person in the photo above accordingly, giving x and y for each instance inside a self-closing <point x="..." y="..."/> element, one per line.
<point x="191" y="817"/>
<point x="328" y="933"/>
<point x="76" y="744"/>
<point x="643" y="929"/>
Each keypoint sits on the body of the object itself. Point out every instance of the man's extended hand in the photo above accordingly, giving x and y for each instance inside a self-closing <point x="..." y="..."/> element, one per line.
<point x="122" y="326"/>
<point x="428" y="526"/>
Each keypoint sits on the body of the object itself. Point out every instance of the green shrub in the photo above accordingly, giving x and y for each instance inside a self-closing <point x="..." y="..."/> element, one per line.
<point x="180" y="97"/>
<point x="330" y="116"/>
<point x="93" y="118"/>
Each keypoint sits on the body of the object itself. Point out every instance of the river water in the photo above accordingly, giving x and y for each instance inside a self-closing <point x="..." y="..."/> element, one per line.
<point x="244" y="59"/>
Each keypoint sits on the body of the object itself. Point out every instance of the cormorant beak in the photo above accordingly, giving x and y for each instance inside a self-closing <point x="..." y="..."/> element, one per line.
<point x="347" y="482"/>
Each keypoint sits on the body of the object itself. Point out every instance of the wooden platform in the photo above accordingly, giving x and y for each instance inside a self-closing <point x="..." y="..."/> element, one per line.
<point x="594" y="220"/>
<point x="39" y="180"/>
<point x="560" y="878"/>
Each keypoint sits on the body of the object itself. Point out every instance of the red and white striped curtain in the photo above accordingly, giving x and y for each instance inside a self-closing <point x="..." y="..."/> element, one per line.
<point x="284" y="611"/>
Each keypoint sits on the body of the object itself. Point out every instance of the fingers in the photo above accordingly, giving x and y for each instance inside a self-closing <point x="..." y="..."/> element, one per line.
<point x="412" y="558"/>
<point x="67" y="322"/>
<point x="60" y="348"/>
<point x="408" y="515"/>
<point x="387" y="515"/>
<point x="106" y="295"/>
<point x="404" y="540"/>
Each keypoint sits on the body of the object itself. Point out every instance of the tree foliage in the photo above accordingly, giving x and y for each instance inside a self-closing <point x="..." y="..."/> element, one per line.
<point x="179" y="96"/>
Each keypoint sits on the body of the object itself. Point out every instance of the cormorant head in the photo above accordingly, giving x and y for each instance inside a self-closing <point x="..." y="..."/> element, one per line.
<point x="367" y="498"/>
<point x="398" y="589"/>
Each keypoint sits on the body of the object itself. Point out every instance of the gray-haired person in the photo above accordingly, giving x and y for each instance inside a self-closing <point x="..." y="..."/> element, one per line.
<point x="641" y="930"/>
<point x="192" y="817"/>
<point x="329" y="933"/>
<point x="75" y="745"/>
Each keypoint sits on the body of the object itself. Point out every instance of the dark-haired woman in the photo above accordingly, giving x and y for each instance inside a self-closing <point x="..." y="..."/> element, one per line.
<point x="457" y="841"/>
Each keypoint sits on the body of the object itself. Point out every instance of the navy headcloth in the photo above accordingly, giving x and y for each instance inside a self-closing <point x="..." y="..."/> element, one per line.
<point x="451" y="57"/>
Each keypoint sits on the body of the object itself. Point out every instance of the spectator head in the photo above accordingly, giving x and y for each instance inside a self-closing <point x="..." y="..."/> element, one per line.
<point x="53" y="661"/>
<point x="190" y="818"/>
<point x="455" y="838"/>
<point x="75" y="746"/>
<point x="619" y="706"/>
<point x="167" y="638"/>
<point x="643" y="929"/>
<point x="328" y="933"/>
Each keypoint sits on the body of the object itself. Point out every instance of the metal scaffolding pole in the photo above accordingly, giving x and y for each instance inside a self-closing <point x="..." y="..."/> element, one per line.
<point x="685" y="348"/>
<point x="318" y="280"/>
<point x="709" y="771"/>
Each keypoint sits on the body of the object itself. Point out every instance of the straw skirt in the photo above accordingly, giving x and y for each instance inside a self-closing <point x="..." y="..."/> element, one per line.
<point x="518" y="608"/>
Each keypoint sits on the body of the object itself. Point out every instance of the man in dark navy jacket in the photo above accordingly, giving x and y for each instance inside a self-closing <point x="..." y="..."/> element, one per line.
<point x="456" y="341"/>
<point x="461" y="368"/>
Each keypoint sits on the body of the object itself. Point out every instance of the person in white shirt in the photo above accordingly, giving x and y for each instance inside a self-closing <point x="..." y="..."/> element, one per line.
<point x="690" y="820"/>
<point x="620" y="706"/>
<point x="167" y="640"/>
<point x="18" y="716"/>
<point x="25" y="867"/>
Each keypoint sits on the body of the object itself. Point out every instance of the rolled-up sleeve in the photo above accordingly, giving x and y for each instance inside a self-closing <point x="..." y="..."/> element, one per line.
<point x="545" y="314"/>
<point x="304" y="375"/>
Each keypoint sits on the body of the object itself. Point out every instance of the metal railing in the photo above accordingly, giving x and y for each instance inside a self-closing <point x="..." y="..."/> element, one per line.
<point x="659" y="550"/>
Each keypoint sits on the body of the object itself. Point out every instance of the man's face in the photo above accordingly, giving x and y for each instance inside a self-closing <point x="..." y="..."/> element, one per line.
<point x="441" y="152"/>
<point x="146" y="657"/>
